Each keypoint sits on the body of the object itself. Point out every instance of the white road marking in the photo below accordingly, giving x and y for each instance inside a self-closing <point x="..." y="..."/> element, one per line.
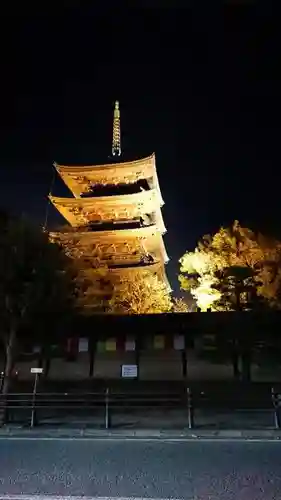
<point x="141" y="439"/>
<point x="70" y="497"/>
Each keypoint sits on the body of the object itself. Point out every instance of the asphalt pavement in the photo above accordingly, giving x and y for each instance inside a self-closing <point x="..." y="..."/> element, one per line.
<point x="197" y="470"/>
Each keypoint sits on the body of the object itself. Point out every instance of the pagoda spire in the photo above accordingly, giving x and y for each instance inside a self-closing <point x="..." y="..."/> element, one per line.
<point x="116" y="137"/>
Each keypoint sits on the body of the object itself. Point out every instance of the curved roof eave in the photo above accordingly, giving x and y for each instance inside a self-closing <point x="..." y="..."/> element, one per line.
<point x="87" y="168"/>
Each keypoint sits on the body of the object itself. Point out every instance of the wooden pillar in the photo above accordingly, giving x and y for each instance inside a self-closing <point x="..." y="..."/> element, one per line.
<point x="184" y="363"/>
<point x="235" y="359"/>
<point x="137" y="353"/>
<point x="92" y="355"/>
<point x="246" y="357"/>
<point x="179" y="344"/>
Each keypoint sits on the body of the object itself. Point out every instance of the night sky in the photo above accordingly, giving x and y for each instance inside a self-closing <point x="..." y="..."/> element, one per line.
<point x="198" y="87"/>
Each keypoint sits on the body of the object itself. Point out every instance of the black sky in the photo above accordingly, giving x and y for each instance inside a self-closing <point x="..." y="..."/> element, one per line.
<point x="198" y="86"/>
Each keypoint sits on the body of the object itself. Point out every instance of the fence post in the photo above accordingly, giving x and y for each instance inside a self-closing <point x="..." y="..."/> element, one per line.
<point x="275" y="402"/>
<point x="190" y="409"/>
<point x="33" y="414"/>
<point x="1" y="381"/>
<point x="107" y="414"/>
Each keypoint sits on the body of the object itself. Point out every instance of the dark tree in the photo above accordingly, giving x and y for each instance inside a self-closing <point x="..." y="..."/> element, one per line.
<point x="37" y="283"/>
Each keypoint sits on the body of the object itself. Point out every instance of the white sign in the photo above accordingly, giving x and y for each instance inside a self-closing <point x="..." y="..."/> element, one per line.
<point x="179" y="343"/>
<point x="83" y="345"/>
<point x="36" y="370"/>
<point x="129" y="371"/>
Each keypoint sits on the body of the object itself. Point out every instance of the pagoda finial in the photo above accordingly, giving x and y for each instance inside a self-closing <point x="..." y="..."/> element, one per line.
<point x="116" y="138"/>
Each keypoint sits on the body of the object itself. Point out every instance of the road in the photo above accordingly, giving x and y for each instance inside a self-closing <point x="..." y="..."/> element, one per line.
<point x="197" y="470"/>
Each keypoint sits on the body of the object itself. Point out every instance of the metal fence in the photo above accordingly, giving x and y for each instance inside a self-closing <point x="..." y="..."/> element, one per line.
<point x="30" y="407"/>
<point x="102" y="407"/>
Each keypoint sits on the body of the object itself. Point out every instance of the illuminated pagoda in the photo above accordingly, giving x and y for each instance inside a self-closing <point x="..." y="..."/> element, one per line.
<point x="115" y="224"/>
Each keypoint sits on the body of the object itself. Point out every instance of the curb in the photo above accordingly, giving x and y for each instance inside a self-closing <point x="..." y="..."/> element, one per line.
<point x="186" y="434"/>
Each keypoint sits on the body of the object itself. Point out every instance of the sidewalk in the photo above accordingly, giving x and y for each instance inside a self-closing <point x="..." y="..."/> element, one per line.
<point x="169" y="420"/>
<point x="153" y="424"/>
<point x="147" y="434"/>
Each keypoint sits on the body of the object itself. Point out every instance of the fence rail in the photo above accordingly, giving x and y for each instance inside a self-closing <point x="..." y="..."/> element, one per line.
<point x="36" y="406"/>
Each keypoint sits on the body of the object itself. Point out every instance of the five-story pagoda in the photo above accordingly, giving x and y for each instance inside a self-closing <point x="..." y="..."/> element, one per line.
<point x="115" y="224"/>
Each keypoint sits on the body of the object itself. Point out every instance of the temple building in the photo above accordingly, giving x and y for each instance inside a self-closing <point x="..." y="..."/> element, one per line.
<point x="114" y="227"/>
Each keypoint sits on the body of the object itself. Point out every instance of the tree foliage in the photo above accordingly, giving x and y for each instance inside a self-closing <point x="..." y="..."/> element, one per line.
<point x="204" y="270"/>
<point x="141" y="294"/>
<point x="180" y="305"/>
<point x="94" y="289"/>
<point x="36" y="282"/>
<point x="92" y="280"/>
<point x="238" y="289"/>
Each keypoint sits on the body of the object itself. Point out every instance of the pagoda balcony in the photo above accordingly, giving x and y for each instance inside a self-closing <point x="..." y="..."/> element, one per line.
<point x="140" y="264"/>
<point x="116" y="225"/>
<point x="114" y="231"/>
<point x="116" y="189"/>
<point x="86" y="211"/>
<point x="118" y="245"/>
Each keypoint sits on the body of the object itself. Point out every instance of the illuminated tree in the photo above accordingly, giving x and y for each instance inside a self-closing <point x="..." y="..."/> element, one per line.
<point x="238" y="289"/>
<point x="180" y="306"/>
<point x="91" y="279"/>
<point x="141" y="294"/>
<point x="36" y="282"/>
<point x="233" y="247"/>
<point x="199" y="278"/>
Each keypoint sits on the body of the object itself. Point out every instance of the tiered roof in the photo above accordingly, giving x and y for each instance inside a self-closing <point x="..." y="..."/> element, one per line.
<point x="135" y="242"/>
<point x="80" y="211"/>
<point x="123" y="250"/>
<point x="80" y="179"/>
